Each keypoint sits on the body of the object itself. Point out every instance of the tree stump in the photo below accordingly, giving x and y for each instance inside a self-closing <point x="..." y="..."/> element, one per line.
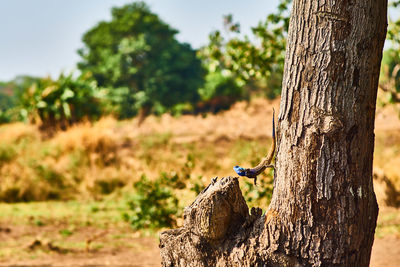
<point x="219" y="231"/>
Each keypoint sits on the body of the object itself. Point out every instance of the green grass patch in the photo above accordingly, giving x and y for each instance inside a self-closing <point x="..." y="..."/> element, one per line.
<point x="7" y="153"/>
<point x="70" y="212"/>
<point x="388" y="223"/>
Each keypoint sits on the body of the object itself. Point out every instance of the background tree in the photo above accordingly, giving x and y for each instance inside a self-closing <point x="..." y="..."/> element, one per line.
<point x="323" y="210"/>
<point x="7" y="101"/>
<point x="62" y="102"/>
<point x="253" y="62"/>
<point x="390" y="72"/>
<point x="138" y="51"/>
<point x="389" y="81"/>
<point x="10" y="94"/>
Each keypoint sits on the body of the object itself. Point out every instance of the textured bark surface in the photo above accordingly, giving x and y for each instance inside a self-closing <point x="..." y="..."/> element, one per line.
<point x="218" y="231"/>
<point x="323" y="192"/>
<point x="323" y="210"/>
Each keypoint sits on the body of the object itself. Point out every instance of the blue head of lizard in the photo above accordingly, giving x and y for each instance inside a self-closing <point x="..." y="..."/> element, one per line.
<point x="239" y="170"/>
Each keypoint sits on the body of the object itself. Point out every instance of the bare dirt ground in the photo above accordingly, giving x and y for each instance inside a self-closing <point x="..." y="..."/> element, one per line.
<point x="123" y="257"/>
<point x="386" y="252"/>
<point x="114" y="246"/>
<point x="130" y="250"/>
<point x="55" y="243"/>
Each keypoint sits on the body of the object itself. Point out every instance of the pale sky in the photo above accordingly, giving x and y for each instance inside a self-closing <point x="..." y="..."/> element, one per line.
<point x="41" y="37"/>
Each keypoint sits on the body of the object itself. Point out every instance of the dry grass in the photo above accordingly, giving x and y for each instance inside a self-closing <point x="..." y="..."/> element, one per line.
<point x="98" y="138"/>
<point x="91" y="160"/>
<point x="82" y="160"/>
<point x="97" y="164"/>
<point x="18" y="132"/>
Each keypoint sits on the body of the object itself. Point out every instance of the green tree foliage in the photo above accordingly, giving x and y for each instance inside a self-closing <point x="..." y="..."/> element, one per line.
<point x="6" y="97"/>
<point x="137" y="51"/>
<point x="10" y="92"/>
<point x="389" y="79"/>
<point x="154" y="204"/>
<point x="255" y="61"/>
<point x="393" y="32"/>
<point x="395" y="3"/>
<point x="220" y="91"/>
<point x="6" y="103"/>
<point x="62" y="102"/>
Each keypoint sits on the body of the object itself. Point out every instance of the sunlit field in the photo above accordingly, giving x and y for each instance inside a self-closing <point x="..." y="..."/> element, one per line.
<point x="116" y="115"/>
<point x="72" y="193"/>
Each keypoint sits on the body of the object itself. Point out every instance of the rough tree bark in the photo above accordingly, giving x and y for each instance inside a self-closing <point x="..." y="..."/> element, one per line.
<point x="323" y="210"/>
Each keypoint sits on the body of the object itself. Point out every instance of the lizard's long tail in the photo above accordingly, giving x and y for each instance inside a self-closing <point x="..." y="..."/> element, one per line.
<point x="273" y="124"/>
<point x="273" y="146"/>
<point x="265" y="162"/>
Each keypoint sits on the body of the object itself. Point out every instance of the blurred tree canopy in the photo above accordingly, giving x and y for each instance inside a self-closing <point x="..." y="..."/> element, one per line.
<point x="137" y="51"/>
<point x="389" y="79"/>
<point x="10" y="93"/>
<point x="62" y="102"/>
<point x="256" y="61"/>
<point x="133" y="64"/>
<point x="7" y="101"/>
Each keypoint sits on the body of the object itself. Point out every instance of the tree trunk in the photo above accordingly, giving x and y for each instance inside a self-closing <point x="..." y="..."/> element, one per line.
<point x="323" y="194"/>
<point x="323" y="210"/>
